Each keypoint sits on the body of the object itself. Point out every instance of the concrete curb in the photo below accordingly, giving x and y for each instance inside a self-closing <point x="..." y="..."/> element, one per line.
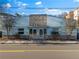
<point x="62" y="42"/>
<point x="36" y="42"/>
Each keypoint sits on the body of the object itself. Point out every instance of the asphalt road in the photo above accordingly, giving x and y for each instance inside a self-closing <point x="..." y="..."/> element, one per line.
<point x="33" y="51"/>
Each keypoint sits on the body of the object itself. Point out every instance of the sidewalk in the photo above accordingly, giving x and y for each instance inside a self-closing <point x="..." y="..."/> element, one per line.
<point x="37" y="42"/>
<point x="62" y="42"/>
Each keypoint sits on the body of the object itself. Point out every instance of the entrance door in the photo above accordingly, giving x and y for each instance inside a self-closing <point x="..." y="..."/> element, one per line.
<point x="41" y="32"/>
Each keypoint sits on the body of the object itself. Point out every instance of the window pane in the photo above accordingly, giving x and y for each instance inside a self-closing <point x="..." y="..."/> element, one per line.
<point x="34" y="31"/>
<point x="41" y="32"/>
<point x="30" y="31"/>
<point x="45" y="31"/>
<point x="20" y="32"/>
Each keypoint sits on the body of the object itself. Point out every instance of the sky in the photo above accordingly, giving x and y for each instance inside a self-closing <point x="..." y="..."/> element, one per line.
<point x="21" y="6"/>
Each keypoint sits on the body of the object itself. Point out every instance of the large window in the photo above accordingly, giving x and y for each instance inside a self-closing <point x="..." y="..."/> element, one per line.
<point x="54" y="33"/>
<point x="21" y="31"/>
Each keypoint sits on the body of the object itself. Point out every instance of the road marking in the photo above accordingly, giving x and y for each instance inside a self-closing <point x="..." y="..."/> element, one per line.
<point x="39" y="50"/>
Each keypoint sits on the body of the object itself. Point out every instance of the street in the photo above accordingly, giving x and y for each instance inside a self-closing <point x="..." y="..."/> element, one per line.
<point x="39" y="51"/>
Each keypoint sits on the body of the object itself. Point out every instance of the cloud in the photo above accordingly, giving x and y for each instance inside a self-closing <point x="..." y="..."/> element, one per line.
<point x="38" y="3"/>
<point x="21" y="4"/>
<point x="7" y="5"/>
<point x="75" y="0"/>
<point x="54" y="11"/>
<point x="21" y="7"/>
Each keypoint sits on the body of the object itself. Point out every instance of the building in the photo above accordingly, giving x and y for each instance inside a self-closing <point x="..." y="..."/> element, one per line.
<point x="41" y="25"/>
<point x="76" y="17"/>
<point x="36" y="26"/>
<point x="19" y="27"/>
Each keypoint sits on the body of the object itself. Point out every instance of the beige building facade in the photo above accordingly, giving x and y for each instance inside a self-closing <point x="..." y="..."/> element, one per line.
<point x="38" y="20"/>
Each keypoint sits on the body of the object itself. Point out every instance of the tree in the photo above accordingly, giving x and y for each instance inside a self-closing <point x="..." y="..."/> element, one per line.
<point x="8" y="23"/>
<point x="70" y="25"/>
<point x="70" y="22"/>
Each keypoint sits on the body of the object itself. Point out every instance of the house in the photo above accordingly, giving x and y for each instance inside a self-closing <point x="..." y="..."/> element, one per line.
<point x="19" y="24"/>
<point x="41" y="25"/>
<point x="36" y="26"/>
